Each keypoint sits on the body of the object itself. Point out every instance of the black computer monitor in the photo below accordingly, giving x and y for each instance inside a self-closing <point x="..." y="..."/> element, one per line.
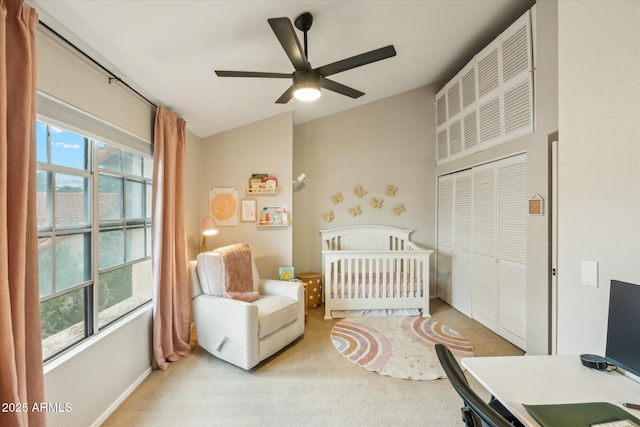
<point x="623" y="329"/>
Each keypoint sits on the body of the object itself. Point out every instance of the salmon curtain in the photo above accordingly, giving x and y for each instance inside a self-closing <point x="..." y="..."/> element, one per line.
<point x="21" y="368"/>
<point x="171" y="315"/>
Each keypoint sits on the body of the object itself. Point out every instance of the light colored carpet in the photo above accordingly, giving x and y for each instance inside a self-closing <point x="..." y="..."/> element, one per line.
<point x="307" y="384"/>
<point x="400" y="347"/>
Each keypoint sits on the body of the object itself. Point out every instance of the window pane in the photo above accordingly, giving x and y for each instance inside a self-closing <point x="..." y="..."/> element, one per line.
<point x="122" y="290"/>
<point x="41" y="142"/>
<point x="72" y="200"/>
<point x="135" y="243"/>
<point x="131" y="164"/>
<point x="109" y="157"/>
<point x="111" y="248"/>
<point x="63" y="322"/>
<point x="148" y="167"/>
<point x="45" y="266"/>
<point x="135" y="199"/>
<point x="68" y="149"/>
<point x="110" y="197"/>
<point x="43" y="199"/>
<point x="73" y="260"/>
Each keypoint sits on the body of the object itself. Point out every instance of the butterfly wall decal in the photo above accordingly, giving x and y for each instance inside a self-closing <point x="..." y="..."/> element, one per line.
<point x="329" y="216"/>
<point x="355" y="211"/>
<point x="360" y="192"/>
<point x="336" y="198"/>
<point x="391" y="190"/>
<point x="376" y="203"/>
<point x="398" y="209"/>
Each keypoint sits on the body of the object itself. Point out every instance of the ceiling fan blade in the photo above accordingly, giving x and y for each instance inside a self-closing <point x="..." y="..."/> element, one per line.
<point x="286" y="35"/>
<point x="340" y="88"/>
<point x="357" y="61"/>
<point x="286" y="97"/>
<point x="252" y="74"/>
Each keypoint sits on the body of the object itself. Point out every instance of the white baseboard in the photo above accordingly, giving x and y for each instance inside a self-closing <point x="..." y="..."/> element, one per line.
<point x="121" y="399"/>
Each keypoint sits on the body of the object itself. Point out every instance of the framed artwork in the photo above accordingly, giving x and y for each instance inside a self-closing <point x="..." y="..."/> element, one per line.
<point x="223" y="205"/>
<point x="248" y="210"/>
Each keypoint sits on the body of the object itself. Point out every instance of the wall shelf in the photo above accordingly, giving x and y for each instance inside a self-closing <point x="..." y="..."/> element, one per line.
<point x="263" y="191"/>
<point x="273" y="223"/>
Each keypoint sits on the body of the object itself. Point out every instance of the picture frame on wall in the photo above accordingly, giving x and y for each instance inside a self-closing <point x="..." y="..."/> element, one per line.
<point x="223" y="205"/>
<point x="248" y="210"/>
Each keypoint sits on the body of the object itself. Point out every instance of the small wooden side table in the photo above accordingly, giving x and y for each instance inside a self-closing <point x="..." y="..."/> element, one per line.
<point x="312" y="290"/>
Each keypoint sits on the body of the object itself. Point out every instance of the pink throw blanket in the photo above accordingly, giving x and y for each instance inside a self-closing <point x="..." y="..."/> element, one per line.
<point x="237" y="277"/>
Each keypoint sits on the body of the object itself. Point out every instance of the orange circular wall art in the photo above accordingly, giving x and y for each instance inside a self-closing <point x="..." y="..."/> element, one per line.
<point x="223" y="207"/>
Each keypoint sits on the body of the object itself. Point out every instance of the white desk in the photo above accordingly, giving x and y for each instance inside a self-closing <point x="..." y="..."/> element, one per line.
<point x="515" y="380"/>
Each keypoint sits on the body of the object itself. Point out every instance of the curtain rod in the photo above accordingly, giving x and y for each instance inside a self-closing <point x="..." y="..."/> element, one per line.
<point x="113" y="76"/>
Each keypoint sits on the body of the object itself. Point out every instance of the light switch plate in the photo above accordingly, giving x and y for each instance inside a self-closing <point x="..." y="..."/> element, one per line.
<point x="590" y="273"/>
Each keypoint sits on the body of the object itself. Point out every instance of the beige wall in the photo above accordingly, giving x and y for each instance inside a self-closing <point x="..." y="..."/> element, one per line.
<point x="599" y="166"/>
<point x="227" y="160"/>
<point x="387" y="142"/>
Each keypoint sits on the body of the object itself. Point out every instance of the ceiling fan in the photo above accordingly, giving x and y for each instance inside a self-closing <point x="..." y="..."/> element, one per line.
<point x="307" y="81"/>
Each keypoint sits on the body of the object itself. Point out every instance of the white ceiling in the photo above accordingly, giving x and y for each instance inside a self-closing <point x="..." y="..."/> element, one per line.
<point x="168" y="50"/>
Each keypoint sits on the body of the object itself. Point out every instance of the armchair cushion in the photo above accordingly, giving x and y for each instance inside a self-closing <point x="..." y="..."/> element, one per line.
<point x="274" y="312"/>
<point x="209" y="273"/>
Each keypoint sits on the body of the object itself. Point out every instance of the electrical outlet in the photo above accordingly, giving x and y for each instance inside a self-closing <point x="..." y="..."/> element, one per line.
<point x="590" y="273"/>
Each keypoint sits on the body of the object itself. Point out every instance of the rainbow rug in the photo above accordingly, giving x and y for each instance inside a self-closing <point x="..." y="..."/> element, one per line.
<point x="400" y="347"/>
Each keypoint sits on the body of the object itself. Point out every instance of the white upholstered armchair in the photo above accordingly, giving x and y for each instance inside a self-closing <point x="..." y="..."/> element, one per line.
<point x="239" y="332"/>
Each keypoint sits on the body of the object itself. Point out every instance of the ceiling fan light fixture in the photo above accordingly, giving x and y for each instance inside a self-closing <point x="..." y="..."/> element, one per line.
<point x="306" y="85"/>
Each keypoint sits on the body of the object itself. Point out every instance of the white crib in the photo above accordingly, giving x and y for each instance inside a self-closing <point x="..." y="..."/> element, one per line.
<point x="373" y="267"/>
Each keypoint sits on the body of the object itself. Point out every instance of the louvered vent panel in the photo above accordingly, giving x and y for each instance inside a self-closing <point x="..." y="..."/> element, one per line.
<point x="470" y="127"/>
<point x="469" y="88"/>
<point x="462" y="212"/>
<point x="455" y="138"/>
<point x="443" y="279"/>
<point x="441" y="109"/>
<point x="488" y="79"/>
<point x="461" y="282"/>
<point x="512" y="299"/>
<point x="484" y="224"/>
<point x="485" y="291"/>
<point x="517" y="108"/>
<point x="445" y="212"/>
<point x="490" y="125"/>
<point x="515" y="54"/>
<point x="453" y="99"/>
<point x="443" y="150"/>
<point x="512" y="220"/>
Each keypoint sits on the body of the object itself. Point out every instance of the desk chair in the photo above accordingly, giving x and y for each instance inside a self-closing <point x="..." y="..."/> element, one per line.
<point x="476" y="412"/>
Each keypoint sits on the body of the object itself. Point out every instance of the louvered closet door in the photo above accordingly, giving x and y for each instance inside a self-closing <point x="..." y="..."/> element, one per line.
<point x="485" y="285"/>
<point x="445" y="238"/>
<point x="512" y="249"/>
<point x="462" y="238"/>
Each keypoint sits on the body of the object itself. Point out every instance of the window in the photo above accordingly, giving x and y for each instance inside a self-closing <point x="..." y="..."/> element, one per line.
<point x="94" y="234"/>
